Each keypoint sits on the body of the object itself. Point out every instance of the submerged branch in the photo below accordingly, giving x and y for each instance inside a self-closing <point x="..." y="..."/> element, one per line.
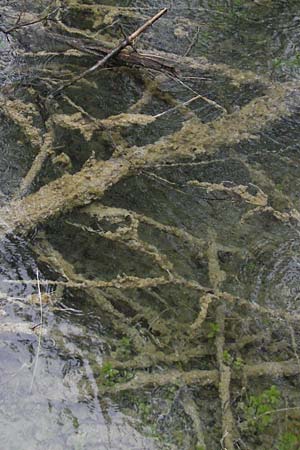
<point x="19" y="24"/>
<point x="194" y="139"/>
<point x="64" y="194"/>
<point x="45" y="151"/>
<point x="202" y="377"/>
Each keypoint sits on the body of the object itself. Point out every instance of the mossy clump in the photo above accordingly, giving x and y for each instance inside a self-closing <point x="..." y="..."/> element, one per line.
<point x="109" y="376"/>
<point x="257" y="410"/>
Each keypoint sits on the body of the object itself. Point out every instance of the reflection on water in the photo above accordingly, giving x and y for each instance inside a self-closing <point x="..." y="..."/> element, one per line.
<point x="279" y="277"/>
<point x="59" y="408"/>
<point x="226" y="219"/>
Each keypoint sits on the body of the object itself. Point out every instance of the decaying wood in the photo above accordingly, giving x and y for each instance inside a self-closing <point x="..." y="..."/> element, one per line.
<point x="78" y="190"/>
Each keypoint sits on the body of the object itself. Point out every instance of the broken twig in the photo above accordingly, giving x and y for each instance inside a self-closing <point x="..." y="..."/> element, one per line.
<point x="128" y="41"/>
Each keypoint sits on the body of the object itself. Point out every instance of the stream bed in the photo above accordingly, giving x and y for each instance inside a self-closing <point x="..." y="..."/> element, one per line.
<point x="163" y="314"/>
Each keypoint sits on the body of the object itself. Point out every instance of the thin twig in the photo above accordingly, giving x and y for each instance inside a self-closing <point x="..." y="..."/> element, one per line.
<point x="193" y="42"/>
<point x="274" y="411"/>
<point x="19" y="24"/>
<point x="206" y="99"/>
<point x="181" y="105"/>
<point x="40" y="332"/>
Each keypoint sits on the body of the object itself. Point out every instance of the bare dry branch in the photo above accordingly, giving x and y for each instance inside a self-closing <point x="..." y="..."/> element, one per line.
<point x="128" y="41"/>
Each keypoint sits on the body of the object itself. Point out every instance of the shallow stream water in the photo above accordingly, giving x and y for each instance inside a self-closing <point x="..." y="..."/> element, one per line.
<point x="65" y="351"/>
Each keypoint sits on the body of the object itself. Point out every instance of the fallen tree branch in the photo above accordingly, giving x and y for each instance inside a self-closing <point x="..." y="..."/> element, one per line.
<point x="79" y="189"/>
<point x="128" y="41"/>
<point x="126" y="282"/>
<point x="176" y="377"/>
